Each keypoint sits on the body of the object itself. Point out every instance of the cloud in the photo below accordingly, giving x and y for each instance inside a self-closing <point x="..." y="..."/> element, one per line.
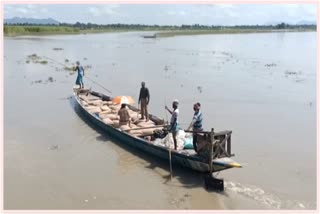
<point x="44" y="10"/>
<point x="172" y="14"/>
<point x="224" y="6"/>
<point x="31" y="6"/>
<point x="23" y="10"/>
<point x="106" y="10"/>
<point x="176" y="13"/>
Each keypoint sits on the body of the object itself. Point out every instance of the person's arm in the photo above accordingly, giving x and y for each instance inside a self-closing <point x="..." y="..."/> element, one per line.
<point x="75" y="68"/>
<point x="168" y="109"/>
<point x="191" y="124"/>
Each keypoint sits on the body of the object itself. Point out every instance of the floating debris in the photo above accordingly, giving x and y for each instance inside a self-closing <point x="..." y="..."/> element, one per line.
<point x="57" y="49"/>
<point x="291" y="72"/>
<point x="87" y="67"/>
<point x="43" y="62"/>
<point x="187" y="195"/>
<point x="300" y="80"/>
<point x="35" y="59"/>
<point x="270" y="65"/>
<point x="50" y="79"/>
<point x="68" y="68"/>
<point x="85" y="58"/>
<point x="54" y="147"/>
<point x="199" y="89"/>
<point x="66" y="60"/>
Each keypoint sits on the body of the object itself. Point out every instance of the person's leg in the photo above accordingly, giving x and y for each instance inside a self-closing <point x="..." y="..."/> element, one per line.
<point x="78" y="80"/>
<point x="174" y="134"/>
<point x="143" y="103"/>
<point x="195" y="142"/>
<point x="81" y="81"/>
<point x="146" y="112"/>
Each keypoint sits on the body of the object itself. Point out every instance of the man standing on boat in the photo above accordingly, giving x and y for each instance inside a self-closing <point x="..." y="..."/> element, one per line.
<point x="144" y="97"/>
<point x="174" y="125"/>
<point x="80" y="71"/>
<point x="196" y="124"/>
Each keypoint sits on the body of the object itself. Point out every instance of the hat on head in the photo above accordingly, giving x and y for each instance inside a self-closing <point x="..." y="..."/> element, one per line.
<point x="176" y="101"/>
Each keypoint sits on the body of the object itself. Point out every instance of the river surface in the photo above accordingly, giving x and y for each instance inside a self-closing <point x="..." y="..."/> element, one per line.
<point x="260" y="86"/>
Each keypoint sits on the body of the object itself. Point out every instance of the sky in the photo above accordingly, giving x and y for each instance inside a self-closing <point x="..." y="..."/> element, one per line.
<point x="167" y="14"/>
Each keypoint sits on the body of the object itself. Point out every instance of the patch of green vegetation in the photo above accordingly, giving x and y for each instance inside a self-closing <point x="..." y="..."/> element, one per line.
<point x="162" y="31"/>
<point x="224" y="31"/>
<point x="68" y="68"/>
<point x="16" y="30"/>
<point x="43" y="62"/>
<point x="34" y="57"/>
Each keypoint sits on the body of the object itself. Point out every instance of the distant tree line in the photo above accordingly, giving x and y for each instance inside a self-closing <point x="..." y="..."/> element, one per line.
<point x="85" y="26"/>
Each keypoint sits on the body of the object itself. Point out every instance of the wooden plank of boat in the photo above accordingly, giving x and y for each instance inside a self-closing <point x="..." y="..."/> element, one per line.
<point x="183" y="158"/>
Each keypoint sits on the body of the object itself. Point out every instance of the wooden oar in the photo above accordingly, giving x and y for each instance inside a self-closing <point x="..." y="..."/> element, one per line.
<point x="84" y="75"/>
<point x="170" y="162"/>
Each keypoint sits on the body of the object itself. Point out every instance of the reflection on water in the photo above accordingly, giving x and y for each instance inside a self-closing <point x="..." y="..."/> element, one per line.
<point x="261" y="86"/>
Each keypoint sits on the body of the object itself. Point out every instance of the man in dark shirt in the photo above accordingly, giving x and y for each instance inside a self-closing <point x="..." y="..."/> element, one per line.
<point x="144" y="97"/>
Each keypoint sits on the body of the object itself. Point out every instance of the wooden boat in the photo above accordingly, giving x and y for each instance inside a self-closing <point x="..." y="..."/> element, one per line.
<point x="217" y="145"/>
<point x="150" y="36"/>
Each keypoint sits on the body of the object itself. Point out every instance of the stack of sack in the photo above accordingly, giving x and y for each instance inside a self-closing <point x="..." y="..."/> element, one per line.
<point x="184" y="141"/>
<point x="108" y="113"/>
<point x="106" y="110"/>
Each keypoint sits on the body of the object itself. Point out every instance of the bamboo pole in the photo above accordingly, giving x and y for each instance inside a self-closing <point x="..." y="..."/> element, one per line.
<point x="170" y="162"/>
<point x="211" y="150"/>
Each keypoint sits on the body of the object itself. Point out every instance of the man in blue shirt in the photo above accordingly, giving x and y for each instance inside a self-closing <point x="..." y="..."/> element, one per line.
<point x="196" y="124"/>
<point x="80" y="71"/>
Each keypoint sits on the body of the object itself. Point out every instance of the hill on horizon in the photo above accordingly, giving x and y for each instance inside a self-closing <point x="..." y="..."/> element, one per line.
<point x="19" y="20"/>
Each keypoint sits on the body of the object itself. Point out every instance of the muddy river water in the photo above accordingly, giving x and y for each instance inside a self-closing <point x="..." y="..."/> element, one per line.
<point x="260" y="86"/>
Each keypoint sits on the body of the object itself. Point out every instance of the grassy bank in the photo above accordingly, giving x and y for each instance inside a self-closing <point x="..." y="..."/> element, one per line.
<point x="19" y="30"/>
<point x="16" y="30"/>
<point x="225" y="31"/>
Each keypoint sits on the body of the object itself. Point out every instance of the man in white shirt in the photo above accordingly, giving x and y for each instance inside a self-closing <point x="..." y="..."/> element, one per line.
<point x="174" y="125"/>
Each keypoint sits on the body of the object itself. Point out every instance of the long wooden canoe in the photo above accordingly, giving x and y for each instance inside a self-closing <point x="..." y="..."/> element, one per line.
<point x="185" y="158"/>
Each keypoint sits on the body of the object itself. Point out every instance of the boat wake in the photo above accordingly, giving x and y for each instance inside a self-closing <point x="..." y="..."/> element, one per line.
<point x="266" y="199"/>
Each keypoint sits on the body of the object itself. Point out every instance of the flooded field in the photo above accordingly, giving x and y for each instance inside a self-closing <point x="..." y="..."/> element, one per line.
<point x="260" y="86"/>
